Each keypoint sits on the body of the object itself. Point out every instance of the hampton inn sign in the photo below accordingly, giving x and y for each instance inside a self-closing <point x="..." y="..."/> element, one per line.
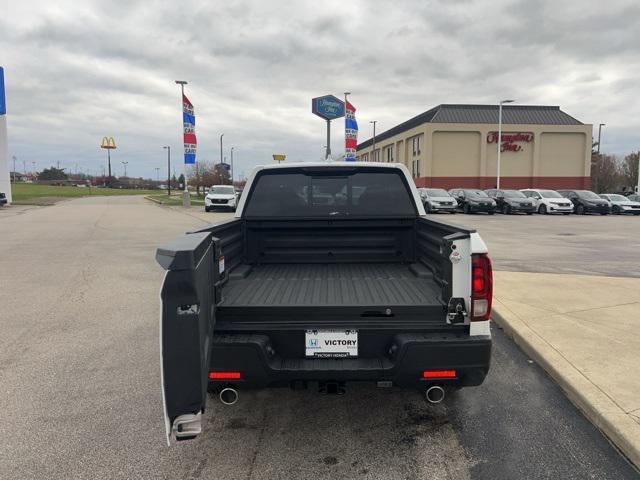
<point x="510" y="140"/>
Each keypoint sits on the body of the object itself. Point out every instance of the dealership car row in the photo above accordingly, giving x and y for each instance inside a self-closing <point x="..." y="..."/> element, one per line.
<point x="528" y="201"/>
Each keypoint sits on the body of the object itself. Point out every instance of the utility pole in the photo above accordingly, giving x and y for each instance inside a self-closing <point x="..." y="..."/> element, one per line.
<point x="373" y="148"/>
<point x="158" y="174"/>
<point x="168" y="148"/>
<point x="125" y="163"/>
<point x="232" y="165"/>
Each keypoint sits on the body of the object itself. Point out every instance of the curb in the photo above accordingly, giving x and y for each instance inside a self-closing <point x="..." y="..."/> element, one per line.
<point x="153" y="200"/>
<point x="617" y="426"/>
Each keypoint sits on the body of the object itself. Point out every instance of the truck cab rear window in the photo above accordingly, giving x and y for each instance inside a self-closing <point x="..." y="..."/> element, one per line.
<point x="302" y="194"/>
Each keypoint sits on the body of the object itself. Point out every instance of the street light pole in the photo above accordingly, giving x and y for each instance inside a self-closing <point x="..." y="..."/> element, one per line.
<point x="158" y="174"/>
<point x="232" y="165"/>
<point x="125" y="167"/>
<point x="599" y="158"/>
<point x="168" y="148"/>
<point x="500" y="137"/>
<point x="373" y="148"/>
<point x="221" y="149"/>
<point x="14" y="169"/>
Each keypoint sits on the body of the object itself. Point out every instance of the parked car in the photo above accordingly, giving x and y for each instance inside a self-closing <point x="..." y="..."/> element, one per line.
<point x="621" y="204"/>
<point x="586" y="201"/>
<point x="220" y="196"/>
<point x="472" y="200"/>
<point x="511" y="201"/>
<point x="437" y="200"/>
<point x="293" y="292"/>
<point x="634" y="197"/>
<point x="3" y="199"/>
<point x="548" y="201"/>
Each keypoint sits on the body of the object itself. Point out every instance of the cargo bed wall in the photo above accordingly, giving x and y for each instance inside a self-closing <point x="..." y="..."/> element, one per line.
<point x="330" y="241"/>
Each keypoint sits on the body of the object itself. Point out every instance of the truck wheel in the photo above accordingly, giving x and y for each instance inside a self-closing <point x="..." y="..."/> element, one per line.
<point x="580" y="210"/>
<point x="542" y="210"/>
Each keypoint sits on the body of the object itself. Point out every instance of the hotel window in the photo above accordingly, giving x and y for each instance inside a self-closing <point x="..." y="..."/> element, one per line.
<point x="415" y="168"/>
<point x="416" y="145"/>
<point x="389" y="154"/>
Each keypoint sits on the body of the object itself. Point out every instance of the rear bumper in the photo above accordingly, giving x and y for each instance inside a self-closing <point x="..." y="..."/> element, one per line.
<point x="482" y="208"/>
<point x="443" y="208"/>
<point x="559" y="209"/>
<point x="521" y="209"/>
<point x="408" y="355"/>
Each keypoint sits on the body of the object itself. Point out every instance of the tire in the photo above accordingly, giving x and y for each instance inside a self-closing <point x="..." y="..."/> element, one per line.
<point x="580" y="210"/>
<point x="616" y="210"/>
<point x="207" y="209"/>
<point x="427" y="207"/>
<point x="542" y="209"/>
<point x="506" y="210"/>
<point x="491" y="212"/>
<point x="466" y="209"/>
<point x="529" y="213"/>
<point x="604" y="213"/>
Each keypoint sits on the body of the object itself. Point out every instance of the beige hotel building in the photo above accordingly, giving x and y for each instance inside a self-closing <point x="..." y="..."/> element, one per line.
<point x="457" y="146"/>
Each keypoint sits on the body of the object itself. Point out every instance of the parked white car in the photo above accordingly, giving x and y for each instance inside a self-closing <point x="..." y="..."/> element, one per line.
<point x="549" y="201"/>
<point x="621" y="204"/>
<point x="437" y="200"/>
<point x="220" y="196"/>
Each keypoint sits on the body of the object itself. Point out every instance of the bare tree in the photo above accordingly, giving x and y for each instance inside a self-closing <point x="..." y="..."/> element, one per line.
<point x="606" y="174"/>
<point x="629" y="170"/>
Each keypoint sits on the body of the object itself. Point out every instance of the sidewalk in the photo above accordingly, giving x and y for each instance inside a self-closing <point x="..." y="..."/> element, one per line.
<point x="584" y="331"/>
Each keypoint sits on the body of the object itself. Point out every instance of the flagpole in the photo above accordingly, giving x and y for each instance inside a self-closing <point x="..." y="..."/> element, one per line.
<point x="186" y="200"/>
<point x="345" y="125"/>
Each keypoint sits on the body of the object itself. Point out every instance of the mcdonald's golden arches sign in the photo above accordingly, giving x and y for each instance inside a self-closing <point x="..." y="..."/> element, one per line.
<point x="108" y="142"/>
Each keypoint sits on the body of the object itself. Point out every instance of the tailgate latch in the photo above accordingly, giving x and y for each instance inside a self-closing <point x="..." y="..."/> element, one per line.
<point x="456" y="312"/>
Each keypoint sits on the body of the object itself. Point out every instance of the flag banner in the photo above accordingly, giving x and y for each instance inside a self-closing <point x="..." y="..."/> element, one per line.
<point x="350" y="133"/>
<point x="189" y="122"/>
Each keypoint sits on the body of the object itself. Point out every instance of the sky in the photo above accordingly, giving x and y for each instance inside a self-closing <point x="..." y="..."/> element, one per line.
<point x="77" y="71"/>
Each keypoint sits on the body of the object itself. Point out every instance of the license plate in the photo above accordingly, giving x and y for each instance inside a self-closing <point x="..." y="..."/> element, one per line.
<point x="331" y="343"/>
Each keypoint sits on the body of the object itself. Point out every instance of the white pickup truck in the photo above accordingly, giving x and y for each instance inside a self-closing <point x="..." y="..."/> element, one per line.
<point x="330" y="273"/>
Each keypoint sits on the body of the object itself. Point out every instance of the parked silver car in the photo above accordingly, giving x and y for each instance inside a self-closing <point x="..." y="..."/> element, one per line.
<point x="622" y="205"/>
<point x="437" y="200"/>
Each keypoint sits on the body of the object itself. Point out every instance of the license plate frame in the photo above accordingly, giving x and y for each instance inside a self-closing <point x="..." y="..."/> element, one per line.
<point x="331" y="343"/>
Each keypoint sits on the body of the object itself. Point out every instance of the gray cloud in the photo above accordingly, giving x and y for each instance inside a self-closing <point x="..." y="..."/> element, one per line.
<point x="76" y="72"/>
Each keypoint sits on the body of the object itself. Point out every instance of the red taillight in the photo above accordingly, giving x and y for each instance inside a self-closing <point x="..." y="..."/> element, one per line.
<point x="439" y="374"/>
<point x="482" y="287"/>
<point x="224" y="376"/>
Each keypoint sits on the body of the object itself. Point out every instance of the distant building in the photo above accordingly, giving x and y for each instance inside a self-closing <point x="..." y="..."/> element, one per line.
<point x="456" y="146"/>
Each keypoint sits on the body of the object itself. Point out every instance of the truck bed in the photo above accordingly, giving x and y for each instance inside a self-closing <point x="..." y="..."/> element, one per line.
<point x="330" y="292"/>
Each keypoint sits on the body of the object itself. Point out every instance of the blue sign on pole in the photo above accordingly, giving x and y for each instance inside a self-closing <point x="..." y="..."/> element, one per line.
<point x="3" y="103"/>
<point x="327" y="107"/>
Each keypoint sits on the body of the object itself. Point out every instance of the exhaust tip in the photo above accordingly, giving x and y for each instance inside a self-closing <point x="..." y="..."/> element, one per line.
<point x="435" y="394"/>
<point x="228" y="396"/>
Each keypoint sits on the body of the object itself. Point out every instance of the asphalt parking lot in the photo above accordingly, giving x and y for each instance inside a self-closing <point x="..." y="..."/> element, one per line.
<point x="79" y="363"/>
<point x="588" y="244"/>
